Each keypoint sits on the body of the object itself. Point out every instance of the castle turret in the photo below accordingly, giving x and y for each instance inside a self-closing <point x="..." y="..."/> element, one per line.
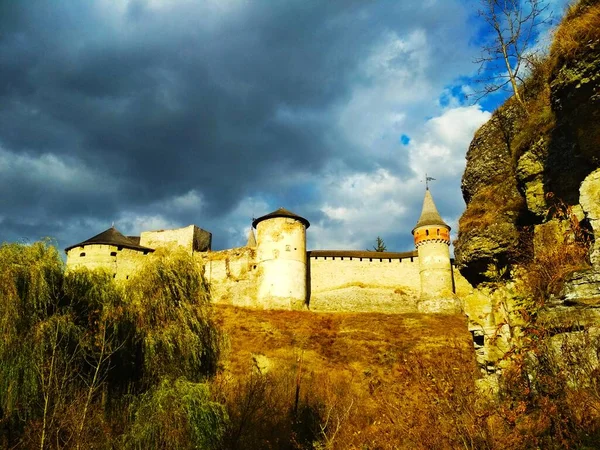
<point x="281" y="257"/>
<point x="432" y="239"/>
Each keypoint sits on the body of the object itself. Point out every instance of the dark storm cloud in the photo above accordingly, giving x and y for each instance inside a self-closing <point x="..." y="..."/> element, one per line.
<point x="153" y="103"/>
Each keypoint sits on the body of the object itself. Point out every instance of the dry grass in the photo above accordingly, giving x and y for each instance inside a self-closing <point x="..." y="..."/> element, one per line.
<point x="580" y="26"/>
<point x="342" y="341"/>
<point x="365" y="380"/>
<point x="489" y="204"/>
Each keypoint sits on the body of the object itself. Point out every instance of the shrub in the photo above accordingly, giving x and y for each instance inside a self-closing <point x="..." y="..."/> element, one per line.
<point x="176" y="415"/>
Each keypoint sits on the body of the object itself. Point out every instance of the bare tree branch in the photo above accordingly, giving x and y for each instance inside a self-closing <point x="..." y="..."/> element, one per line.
<point x="514" y="23"/>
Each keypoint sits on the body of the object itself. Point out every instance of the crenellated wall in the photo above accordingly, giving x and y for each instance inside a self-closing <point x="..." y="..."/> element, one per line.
<point x="363" y="281"/>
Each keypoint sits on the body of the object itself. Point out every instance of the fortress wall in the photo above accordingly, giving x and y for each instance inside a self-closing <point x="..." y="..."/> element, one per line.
<point x="129" y="261"/>
<point x="192" y="238"/>
<point x="93" y="257"/>
<point x="121" y="263"/>
<point x="232" y="275"/>
<point x="369" y="284"/>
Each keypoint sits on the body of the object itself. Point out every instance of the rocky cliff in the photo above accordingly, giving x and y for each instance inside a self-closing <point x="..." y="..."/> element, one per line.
<point x="529" y="239"/>
<point x="525" y="166"/>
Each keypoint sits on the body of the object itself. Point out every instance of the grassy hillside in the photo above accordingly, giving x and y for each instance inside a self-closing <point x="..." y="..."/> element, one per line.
<point x="363" y="380"/>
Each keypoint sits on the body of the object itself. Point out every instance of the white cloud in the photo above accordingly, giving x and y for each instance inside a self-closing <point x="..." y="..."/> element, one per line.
<point x="55" y="172"/>
<point x="441" y="145"/>
<point x="191" y="201"/>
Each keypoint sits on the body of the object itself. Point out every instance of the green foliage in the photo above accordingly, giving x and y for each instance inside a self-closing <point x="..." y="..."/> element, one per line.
<point x="379" y="245"/>
<point x="169" y="307"/>
<point x="73" y="344"/>
<point x="176" y="415"/>
<point x="30" y="283"/>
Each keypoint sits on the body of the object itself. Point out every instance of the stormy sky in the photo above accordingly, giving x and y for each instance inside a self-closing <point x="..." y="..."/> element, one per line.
<point x="161" y="113"/>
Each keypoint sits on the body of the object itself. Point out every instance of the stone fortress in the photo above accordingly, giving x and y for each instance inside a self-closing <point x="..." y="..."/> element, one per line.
<point x="275" y="271"/>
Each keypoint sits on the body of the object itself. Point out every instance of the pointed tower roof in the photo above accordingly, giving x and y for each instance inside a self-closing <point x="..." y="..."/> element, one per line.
<point x="112" y="236"/>
<point x="251" y="239"/>
<point x="429" y="214"/>
<point x="281" y="212"/>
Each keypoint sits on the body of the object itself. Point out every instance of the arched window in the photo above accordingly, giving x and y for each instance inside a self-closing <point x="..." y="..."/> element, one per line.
<point x="438" y="231"/>
<point x="426" y="232"/>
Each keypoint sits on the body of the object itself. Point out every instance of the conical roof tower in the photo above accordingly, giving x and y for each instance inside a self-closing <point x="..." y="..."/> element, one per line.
<point x="429" y="214"/>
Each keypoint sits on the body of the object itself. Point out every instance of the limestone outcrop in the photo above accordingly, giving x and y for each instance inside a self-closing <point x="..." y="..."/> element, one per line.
<point x="530" y="234"/>
<point x="488" y="229"/>
<point x="525" y="165"/>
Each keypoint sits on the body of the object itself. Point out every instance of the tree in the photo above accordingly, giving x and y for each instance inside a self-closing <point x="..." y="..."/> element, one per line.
<point x="379" y="245"/>
<point x="513" y="24"/>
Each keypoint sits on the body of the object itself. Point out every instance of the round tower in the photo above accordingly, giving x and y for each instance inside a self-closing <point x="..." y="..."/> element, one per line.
<point x="432" y="239"/>
<point x="281" y="258"/>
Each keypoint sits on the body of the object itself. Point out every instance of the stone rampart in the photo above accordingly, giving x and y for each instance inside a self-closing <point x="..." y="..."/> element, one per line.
<point x="363" y="281"/>
<point x="232" y="275"/>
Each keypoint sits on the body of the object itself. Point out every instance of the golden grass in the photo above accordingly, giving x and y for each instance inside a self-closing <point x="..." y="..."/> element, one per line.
<point x="580" y="26"/>
<point x="333" y="340"/>
<point x="374" y="380"/>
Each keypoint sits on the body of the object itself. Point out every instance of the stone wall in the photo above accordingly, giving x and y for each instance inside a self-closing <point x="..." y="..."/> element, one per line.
<point x="363" y="281"/>
<point x="191" y="238"/>
<point x="232" y="275"/>
<point x="121" y="262"/>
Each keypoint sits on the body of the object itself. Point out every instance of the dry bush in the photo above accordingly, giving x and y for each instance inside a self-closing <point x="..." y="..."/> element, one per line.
<point x="263" y="411"/>
<point x="540" y="120"/>
<point x="549" y="392"/>
<point x="560" y="256"/>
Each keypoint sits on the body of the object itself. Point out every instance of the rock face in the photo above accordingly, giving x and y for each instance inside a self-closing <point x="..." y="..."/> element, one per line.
<point x="488" y="232"/>
<point x="532" y="189"/>
<point x="524" y="166"/>
<point x="590" y="203"/>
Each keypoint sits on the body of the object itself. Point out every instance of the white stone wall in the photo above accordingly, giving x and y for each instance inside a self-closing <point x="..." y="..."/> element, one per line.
<point x="364" y="284"/>
<point x="121" y="263"/>
<point x="281" y="257"/>
<point x="232" y="275"/>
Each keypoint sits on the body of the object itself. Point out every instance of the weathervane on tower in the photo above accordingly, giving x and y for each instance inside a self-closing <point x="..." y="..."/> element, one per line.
<point x="427" y="180"/>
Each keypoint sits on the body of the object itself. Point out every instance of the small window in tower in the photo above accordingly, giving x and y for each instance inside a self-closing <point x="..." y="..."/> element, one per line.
<point x="82" y="254"/>
<point x="113" y="253"/>
<point x="438" y="231"/>
<point x="426" y="232"/>
<point x="120" y="248"/>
